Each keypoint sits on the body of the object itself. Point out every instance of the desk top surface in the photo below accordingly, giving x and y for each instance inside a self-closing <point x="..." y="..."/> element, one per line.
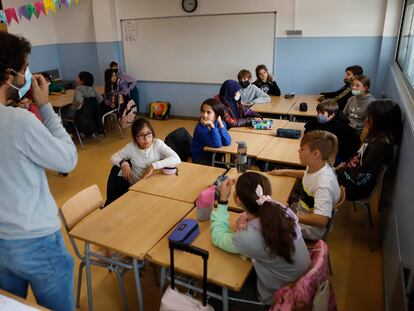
<point x="278" y="105"/>
<point x="281" y="150"/>
<point x="224" y="269"/>
<point x="132" y="224"/>
<point x="62" y="100"/>
<point x="15" y="303"/>
<point x="191" y="179"/>
<point x="255" y="143"/>
<point x="281" y="187"/>
<point x="311" y="100"/>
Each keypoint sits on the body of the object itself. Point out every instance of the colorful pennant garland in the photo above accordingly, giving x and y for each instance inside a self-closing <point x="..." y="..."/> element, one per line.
<point x="36" y="9"/>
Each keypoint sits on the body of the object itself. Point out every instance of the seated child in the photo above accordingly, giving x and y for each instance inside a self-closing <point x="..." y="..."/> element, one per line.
<point x="320" y="187"/>
<point x="271" y="237"/>
<point x="265" y="81"/>
<point x="138" y="160"/>
<point x="210" y="131"/>
<point x="356" y="108"/>
<point x="53" y="87"/>
<point x="343" y="94"/>
<point x="329" y="120"/>
<point x="235" y="114"/>
<point x="250" y="94"/>
<point x="360" y="174"/>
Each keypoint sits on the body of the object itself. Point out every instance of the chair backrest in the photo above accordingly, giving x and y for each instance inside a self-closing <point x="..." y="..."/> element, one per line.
<point x="342" y="197"/>
<point x="335" y="209"/>
<point x="179" y="140"/>
<point x="301" y="293"/>
<point x="81" y="205"/>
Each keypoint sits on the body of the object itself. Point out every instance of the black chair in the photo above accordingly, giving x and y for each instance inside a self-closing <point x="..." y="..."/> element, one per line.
<point x="179" y="140"/>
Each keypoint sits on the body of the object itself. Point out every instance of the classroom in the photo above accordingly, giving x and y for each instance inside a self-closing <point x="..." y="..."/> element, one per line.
<point x="151" y="116"/>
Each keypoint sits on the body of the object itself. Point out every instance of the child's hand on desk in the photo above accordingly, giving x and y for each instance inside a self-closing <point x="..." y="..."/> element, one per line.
<point x="126" y="171"/>
<point x="242" y="222"/>
<point x="148" y="171"/>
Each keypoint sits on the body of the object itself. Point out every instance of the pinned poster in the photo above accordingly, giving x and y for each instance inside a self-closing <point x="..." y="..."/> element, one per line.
<point x="49" y="5"/>
<point x="3" y="18"/>
<point x="11" y="15"/>
<point x="39" y="7"/>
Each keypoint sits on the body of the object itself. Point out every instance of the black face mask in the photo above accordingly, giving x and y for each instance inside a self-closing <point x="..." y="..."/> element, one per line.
<point x="348" y="81"/>
<point x="244" y="84"/>
<point x="115" y="70"/>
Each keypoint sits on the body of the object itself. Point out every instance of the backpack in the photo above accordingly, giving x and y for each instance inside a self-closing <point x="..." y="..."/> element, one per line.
<point x="160" y="110"/>
<point x="128" y="115"/>
<point x="179" y="140"/>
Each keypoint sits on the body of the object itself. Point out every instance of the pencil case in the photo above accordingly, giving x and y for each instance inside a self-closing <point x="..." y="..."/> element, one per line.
<point x="185" y="232"/>
<point x="262" y="124"/>
<point x="288" y="133"/>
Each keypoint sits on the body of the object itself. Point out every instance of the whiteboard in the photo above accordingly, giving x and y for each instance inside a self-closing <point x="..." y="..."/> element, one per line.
<point x="198" y="49"/>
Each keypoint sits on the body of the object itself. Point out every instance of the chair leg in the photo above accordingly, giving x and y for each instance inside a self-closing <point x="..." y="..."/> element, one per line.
<point x="81" y="266"/>
<point x="330" y="265"/>
<point x="354" y="206"/>
<point x="122" y="289"/>
<point x="157" y="281"/>
<point x="368" y="208"/>
<point x="119" y="126"/>
<point x="77" y="134"/>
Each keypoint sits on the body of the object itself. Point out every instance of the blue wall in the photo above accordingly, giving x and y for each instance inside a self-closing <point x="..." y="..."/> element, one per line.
<point x="302" y="65"/>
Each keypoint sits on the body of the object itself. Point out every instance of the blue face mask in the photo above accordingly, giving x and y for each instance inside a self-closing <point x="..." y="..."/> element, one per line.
<point x="26" y="86"/>
<point x="322" y="118"/>
<point x="356" y="92"/>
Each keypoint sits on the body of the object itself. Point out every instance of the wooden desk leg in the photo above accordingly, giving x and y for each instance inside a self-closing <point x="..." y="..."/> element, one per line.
<point x="138" y="284"/>
<point x="225" y="296"/>
<point x="163" y="276"/>
<point x="88" y="276"/>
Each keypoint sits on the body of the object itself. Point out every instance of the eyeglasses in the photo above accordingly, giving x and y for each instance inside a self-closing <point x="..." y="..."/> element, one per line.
<point x="144" y="136"/>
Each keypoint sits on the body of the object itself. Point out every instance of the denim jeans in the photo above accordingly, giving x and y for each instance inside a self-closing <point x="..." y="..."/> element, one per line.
<point x="45" y="264"/>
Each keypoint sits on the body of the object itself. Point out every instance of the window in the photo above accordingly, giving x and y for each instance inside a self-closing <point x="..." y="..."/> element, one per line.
<point x="405" y="54"/>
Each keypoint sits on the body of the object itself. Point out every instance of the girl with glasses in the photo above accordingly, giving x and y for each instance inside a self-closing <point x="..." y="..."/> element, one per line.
<point x="138" y="159"/>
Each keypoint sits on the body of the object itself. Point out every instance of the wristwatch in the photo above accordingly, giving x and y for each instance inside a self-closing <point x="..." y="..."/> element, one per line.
<point x="122" y="162"/>
<point x="223" y="202"/>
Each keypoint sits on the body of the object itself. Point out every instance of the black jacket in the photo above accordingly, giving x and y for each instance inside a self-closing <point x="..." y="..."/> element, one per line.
<point x="270" y="88"/>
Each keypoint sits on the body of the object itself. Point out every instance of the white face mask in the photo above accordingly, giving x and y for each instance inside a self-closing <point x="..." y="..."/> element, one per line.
<point x="237" y="96"/>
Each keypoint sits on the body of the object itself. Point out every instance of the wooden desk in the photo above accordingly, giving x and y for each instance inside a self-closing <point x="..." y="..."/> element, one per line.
<point x="277" y="123"/>
<point x="100" y="89"/>
<point x="296" y="126"/>
<point x="278" y="105"/>
<point x="131" y="225"/>
<point x="224" y="269"/>
<point x="281" y="150"/>
<point x="191" y="179"/>
<point x="62" y="100"/>
<point x="281" y="187"/>
<point x="311" y="100"/>
<point x="16" y="302"/>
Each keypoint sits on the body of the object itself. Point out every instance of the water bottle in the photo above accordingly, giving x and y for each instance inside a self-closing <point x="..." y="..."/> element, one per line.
<point x="241" y="163"/>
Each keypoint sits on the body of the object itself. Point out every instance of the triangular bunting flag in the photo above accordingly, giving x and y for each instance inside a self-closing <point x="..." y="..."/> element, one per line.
<point x="39" y="7"/>
<point x="22" y="11"/>
<point x="76" y="1"/>
<point x="64" y="2"/>
<point x="69" y="2"/>
<point x="10" y="15"/>
<point x="57" y="3"/>
<point x="31" y="10"/>
<point x="49" y="5"/>
<point x="3" y="18"/>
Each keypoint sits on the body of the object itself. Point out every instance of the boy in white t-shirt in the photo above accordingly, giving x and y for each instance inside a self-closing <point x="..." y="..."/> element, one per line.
<point x="320" y="186"/>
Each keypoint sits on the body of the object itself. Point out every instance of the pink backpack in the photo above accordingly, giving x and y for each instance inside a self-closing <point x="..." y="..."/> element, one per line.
<point x="301" y="294"/>
<point x="129" y="114"/>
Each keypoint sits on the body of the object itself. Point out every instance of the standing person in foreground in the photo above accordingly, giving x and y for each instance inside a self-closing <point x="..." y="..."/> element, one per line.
<point x="268" y="233"/>
<point x="32" y="250"/>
